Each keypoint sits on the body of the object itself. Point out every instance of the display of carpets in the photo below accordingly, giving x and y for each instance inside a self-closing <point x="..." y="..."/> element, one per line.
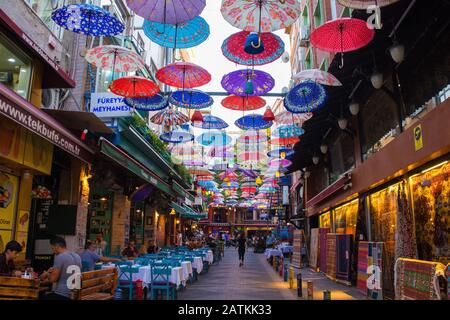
<point x="405" y="240"/>
<point x="370" y="254"/>
<point x="331" y="256"/>
<point x="323" y="249"/>
<point x="431" y="204"/>
<point x="345" y="218"/>
<point x="297" y="243"/>
<point x="417" y="279"/>
<point x="314" y="248"/>
<point x="343" y="257"/>
<point x="325" y="220"/>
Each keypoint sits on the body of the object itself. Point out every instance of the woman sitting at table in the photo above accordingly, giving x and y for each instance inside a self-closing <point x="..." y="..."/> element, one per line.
<point x="7" y="266"/>
<point x="89" y="257"/>
<point x="130" y="251"/>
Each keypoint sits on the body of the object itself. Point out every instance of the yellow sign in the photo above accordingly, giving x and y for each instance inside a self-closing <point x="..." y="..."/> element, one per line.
<point x="418" y="139"/>
<point x="8" y="198"/>
<point x="38" y="153"/>
<point x="5" y="237"/>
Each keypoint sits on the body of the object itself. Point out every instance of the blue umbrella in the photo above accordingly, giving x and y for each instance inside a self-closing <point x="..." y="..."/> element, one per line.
<point x="87" y="19"/>
<point x="184" y="35"/>
<point x="154" y="103"/>
<point x="231" y="186"/>
<point x="305" y="97"/>
<point x="214" y="139"/>
<point x="177" y="137"/>
<point x="276" y="153"/>
<point x="210" y="122"/>
<point x="253" y="121"/>
<point x="191" y="99"/>
<point x="288" y="131"/>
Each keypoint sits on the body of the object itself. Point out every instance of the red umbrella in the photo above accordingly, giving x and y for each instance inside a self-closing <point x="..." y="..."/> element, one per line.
<point x="342" y="35"/>
<point x="183" y="75"/>
<point x="134" y="87"/>
<point x="243" y="103"/>
<point x="284" y="141"/>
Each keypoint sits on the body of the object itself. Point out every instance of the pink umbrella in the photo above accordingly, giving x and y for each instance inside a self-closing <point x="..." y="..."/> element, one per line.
<point x="280" y="163"/>
<point x="118" y="59"/>
<point x="251" y="156"/>
<point x="318" y="76"/>
<point x="220" y="152"/>
<point x="252" y="136"/>
<point x="286" y="117"/>
<point x="183" y="75"/>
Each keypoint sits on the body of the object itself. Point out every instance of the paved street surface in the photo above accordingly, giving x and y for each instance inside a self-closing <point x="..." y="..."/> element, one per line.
<point x="257" y="280"/>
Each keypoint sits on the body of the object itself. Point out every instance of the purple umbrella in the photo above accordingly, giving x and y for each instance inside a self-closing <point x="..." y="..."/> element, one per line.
<point x="167" y="11"/>
<point x="248" y="82"/>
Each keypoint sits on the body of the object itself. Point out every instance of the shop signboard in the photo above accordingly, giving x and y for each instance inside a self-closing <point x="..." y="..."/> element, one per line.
<point x="109" y="105"/>
<point x="418" y="139"/>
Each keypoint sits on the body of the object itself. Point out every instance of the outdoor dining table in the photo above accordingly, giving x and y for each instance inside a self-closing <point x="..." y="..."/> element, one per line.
<point x="197" y="264"/>
<point x="273" y="253"/>
<point x="187" y="269"/>
<point x="285" y="248"/>
<point x="209" y="256"/>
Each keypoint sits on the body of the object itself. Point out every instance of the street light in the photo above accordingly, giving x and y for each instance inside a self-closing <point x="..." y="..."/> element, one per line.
<point x="323" y="148"/>
<point x="315" y="159"/>
<point x="354" y="107"/>
<point x="397" y="52"/>
<point x="377" y="79"/>
<point x="343" y="123"/>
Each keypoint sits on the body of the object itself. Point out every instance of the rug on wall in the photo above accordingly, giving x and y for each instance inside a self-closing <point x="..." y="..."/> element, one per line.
<point x="331" y="256"/>
<point x="323" y="249"/>
<point x="314" y="248"/>
<point x="370" y="254"/>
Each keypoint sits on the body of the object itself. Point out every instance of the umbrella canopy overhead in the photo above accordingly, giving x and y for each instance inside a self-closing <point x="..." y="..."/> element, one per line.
<point x="286" y="117"/>
<point x="236" y="82"/>
<point x="193" y="163"/>
<point x="177" y="136"/>
<point x="251" y="156"/>
<point x="233" y="49"/>
<point x="253" y="121"/>
<point x="281" y="153"/>
<point x="214" y="139"/>
<point x="280" y="163"/>
<point x="134" y="87"/>
<point x="260" y="16"/>
<point x="191" y="99"/>
<point x="211" y="122"/>
<point x="183" y="75"/>
<point x="253" y="136"/>
<point x="318" y="76"/>
<point x="284" y="141"/>
<point x="287" y="131"/>
<point x="184" y="35"/>
<point x="169" y="117"/>
<point x="118" y="59"/>
<point x="221" y="152"/>
<point x="305" y="97"/>
<point x="186" y="150"/>
<point x="87" y="19"/>
<point x="154" y="103"/>
<point x="243" y="103"/>
<point x="364" y="4"/>
<point x="167" y="11"/>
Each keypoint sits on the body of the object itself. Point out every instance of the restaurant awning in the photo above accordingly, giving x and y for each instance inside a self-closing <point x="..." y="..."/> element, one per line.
<point x="182" y="192"/>
<point x="79" y="120"/>
<point x="180" y="209"/>
<point x="123" y="159"/>
<point x="40" y="123"/>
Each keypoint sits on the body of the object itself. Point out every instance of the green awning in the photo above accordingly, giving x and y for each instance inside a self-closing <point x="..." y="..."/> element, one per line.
<point x="123" y="159"/>
<point x="181" y="210"/>
<point x="182" y="192"/>
<point x="191" y="214"/>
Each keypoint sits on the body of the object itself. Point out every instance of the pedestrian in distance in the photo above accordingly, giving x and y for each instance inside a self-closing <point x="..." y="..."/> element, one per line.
<point x="241" y="245"/>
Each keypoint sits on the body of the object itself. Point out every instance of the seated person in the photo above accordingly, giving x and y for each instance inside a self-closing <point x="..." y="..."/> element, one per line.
<point x="89" y="257"/>
<point x="152" y="247"/>
<point x="62" y="270"/>
<point x="130" y="251"/>
<point x="7" y="266"/>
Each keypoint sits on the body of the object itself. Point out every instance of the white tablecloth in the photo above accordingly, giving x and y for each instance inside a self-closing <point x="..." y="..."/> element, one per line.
<point x="187" y="269"/>
<point x="285" y="248"/>
<point x="273" y="253"/>
<point x="198" y="264"/>
<point x="209" y="256"/>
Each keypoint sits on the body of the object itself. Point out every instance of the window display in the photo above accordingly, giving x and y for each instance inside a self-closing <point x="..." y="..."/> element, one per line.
<point x="345" y="218"/>
<point x="325" y="220"/>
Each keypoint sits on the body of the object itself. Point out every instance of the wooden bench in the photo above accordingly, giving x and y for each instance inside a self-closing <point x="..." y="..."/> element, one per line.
<point x="12" y="288"/>
<point x="97" y="285"/>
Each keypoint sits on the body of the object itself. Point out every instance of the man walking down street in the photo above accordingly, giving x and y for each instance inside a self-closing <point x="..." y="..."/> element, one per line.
<point x="241" y="243"/>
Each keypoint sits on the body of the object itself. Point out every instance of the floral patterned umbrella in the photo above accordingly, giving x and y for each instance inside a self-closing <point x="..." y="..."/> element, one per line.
<point x="214" y="139"/>
<point x="154" y="103"/>
<point x="191" y="99"/>
<point x="253" y="121"/>
<point x="280" y="163"/>
<point x="185" y="35"/>
<point x="318" y="76"/>
<point x="364" y="4"/>
<point x="210" y="122"/>
<point x="134" y="87"/>
<point x="87" y="19"/>
<point x="237" y="82"/>
<point x="261" y="16"/>
<point x="286" y="117"/>
<point x="167" y="11"/>
<point x="243" y="103"/>
<point x="183" y="75"/>
<point x="287" y="131"/>
<point x="177" y="137"/>
<point x="169" y="117"/>
<point x="305" y="97"/>
<point x="118" y="59"/>
<point x="233" y="49"/>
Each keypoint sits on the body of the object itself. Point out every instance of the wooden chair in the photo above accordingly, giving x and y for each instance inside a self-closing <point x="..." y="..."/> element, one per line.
<point x="97" y="285"/>
<point x="12" y="288"/>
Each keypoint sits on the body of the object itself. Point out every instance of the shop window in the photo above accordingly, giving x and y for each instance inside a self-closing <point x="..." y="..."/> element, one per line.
<point x="430" y="192"/>
<point x="325" y="220"/>
<point x="444" y="94"/>
<point x="15" y="68"/>
<point x="342" y="155"/>
<point x="44" y="9"/>
<point x="345" y="217"/>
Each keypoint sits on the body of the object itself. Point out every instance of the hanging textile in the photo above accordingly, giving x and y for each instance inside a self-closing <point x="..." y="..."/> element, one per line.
<point x="331" y="256"/>
<point x="370" y="267"/>
<point x="323" y="249"/>
<point x="314" y="248"/>
<point x="405" y="244"/>
<point x="343" y="257"/>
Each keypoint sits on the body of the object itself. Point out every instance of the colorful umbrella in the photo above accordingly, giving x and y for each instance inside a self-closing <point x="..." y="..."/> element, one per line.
<point x="134" y="87"/>
<point x="261" y="16"/>
<point x="154" y="103"/>
<point x="280" y="163"/>
<point x="284" y="141"/>
<point x="237" y="82"/>
<point x="233" y="49"/>
<point x="229" y="185"/>
<point x="169" y="117"/>
<point x="287" y="131"/>
<point x="199" y="171"/>
<point x="210" y="122"/>
<point x="305" y="97"/>
<point x="281" y="153"/>
<point x="167" y="11"/>
<point x="214" y="139"/>
<point x="342" y="35"/>
<point x="251" y="156"/>
<point x="177" y="137"/>
<point x="252" y="136"/>
<point x="243" y="103"/>
<point x="186" y="150"/>
<point x="87" y="19"/>
<point x="253" y="121"/>
<point x="185" y="35"/>
<point x="220" y="152"/>
<point x="364" y="4"/>
<point x="193" y="163"/>
<point x="318" y="76"/>
<point x="286" y="117"/>
<point x="118" y="59"/>
<point x="191" y="99"/>
<point x="183" y="75"/>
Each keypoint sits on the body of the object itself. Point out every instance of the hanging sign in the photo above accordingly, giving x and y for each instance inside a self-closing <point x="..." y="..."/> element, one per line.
<point x="418" y="139"/>
<point x="109" y="105"/>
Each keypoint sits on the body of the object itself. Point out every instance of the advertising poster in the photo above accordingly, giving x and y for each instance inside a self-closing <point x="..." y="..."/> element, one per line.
<point x="23" y="221"/>
<point x="8" y="198"/>
<point x="22" y="237"/>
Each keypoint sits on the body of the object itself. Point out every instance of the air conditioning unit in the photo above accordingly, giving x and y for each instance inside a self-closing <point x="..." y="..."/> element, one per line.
<point x="50" y="98"/>
<point x="305" y="33"/>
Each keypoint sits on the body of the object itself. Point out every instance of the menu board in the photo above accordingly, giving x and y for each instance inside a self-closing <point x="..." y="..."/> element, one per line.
<point x="297" y="244"/>
<point x="41" y="211"/>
